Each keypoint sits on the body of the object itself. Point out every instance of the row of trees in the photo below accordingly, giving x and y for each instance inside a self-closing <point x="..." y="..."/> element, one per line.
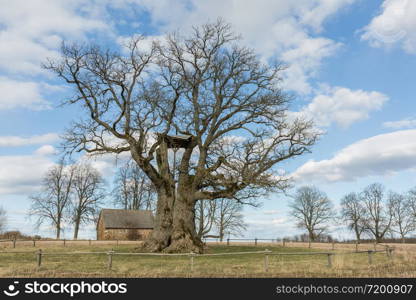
<point x="76" y="193"/>
<point x="70" y="193"/>
<point x="372" y="212"/>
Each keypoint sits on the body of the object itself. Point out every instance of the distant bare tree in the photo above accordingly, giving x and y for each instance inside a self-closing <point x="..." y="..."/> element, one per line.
<point x="204" y="217"/>
<point x="88" y="194"/>
<point x="411" y="196"/>
<point x="51" y="202"/>
<point x="378" y="215"/>
<point x="3" y="219"/>
<point x="313" y="210"/>
<point x="133" y="189"/>
<point x="229" y="218"/>
<point x="403" y="219"/>
<point x="352" y="212"/>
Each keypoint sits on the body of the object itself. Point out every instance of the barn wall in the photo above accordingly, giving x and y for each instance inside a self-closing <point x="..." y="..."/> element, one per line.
<point x="100" y="229"/>
<point x="124" y="234"/>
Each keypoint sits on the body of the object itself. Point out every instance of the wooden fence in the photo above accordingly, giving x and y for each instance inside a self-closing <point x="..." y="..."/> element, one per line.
<point x="39" y="254"/>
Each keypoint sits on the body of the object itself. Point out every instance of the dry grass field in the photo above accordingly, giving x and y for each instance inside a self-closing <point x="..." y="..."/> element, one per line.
<point x="55" y="264"/>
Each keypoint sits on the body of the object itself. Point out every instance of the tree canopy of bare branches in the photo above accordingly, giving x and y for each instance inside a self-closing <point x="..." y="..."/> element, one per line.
<point x="352" y="212"/>
<point x="88" y="195"/>
<point x="203" y="86"/>
<point x="229" y="218"/>
<point x="312" y="210"/>
<point x="133" y="189"/>
<point x="378" y="215"/>
<point x="3" y="219"/>
<point x="50" y="203"/>
<point x="403" y="219"/>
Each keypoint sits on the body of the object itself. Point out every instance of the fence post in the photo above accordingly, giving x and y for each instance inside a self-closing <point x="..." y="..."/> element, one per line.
<point x="330" y="260"/>
<point x="390" y="253"/>
<point x="310" y="243"/>
<point x="266" y="261"/>
<point x="34" y="243"/>
<point x="64" y="242"/>
<point x="356" y="246"/>
<point x="191" y="256"/>
<point x="228" y="242"/>
<point x="370" y="257"/>
<point x="255" y="242"/>
<point x="110" y="260"/>
<point x="39" y="258"/>
<point x="14" y="242"/>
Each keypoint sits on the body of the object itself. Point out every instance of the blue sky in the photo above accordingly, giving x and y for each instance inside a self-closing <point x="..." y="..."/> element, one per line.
<point x="351" y="66"/>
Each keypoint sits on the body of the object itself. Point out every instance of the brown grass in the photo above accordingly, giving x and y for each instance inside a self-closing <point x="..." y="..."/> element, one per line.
<point x="402" y="264"/>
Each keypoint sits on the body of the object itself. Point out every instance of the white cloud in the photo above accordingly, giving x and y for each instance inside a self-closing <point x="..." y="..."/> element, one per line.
<point x="279" y="28"/>
<point x="16" y="141"/>
<point x="395" y="25"/>
<point x="21" y="94"/>
<point x="342" y="106"/>
<point x="401" y="124"/>
<point x="46" y="150"/>
<point x="22" y="174"/>
<point x="379" y="155"/>
<point x="271" y="212"/>
<point x="30" y="31"/>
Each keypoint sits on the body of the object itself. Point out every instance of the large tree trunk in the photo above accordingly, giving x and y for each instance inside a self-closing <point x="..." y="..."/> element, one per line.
<point x="160" y="237"/>
<point x="184" y="237"/>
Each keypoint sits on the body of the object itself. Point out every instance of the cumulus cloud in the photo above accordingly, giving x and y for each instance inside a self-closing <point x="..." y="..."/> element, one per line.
<point x="379" y="155"/>
<point x="30" y="31"/>
<point x="16" y="141"/>
<point x="14" y="175"/>
<point x="401" y="124"/>
<point x="393" y="26"/>
<point x="279" y="28"/>
<point x="46" y="150"/>
<point x="21" y="94"/>
<point x="342" y="106"/>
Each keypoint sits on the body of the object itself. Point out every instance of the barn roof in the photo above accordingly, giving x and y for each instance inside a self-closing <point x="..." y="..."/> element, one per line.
<point x="127" y="219"/>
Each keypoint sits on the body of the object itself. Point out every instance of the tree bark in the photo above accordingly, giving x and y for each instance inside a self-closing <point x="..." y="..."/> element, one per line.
<point x="184" y="237"/>
<point x="160" y="237"/>
<point x="58" y="231"/>
<point x="76" y="229"/>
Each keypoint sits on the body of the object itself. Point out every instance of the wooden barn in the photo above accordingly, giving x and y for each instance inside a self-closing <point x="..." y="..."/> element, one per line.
<point x="122" y="224"/>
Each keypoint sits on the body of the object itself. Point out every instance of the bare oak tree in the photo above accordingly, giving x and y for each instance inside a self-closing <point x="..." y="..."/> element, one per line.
<point x="411" y="198"/>
<point x="204" y="217"/>
<point x="229" y="218"/>
<point x="3" y="219"/>
<point x="133" y="189"/>
<point x="224" y="103"/>
<point x="378" y="215"/>
<point x="88" y="195"/>
<point x="352" y="212"/>
<point x="403" y="219"/>
<point x="50" y="203"/>
<point x="312" y="210"/>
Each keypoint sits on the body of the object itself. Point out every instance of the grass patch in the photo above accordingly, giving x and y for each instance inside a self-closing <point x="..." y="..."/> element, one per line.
<point x="246" y="265"/>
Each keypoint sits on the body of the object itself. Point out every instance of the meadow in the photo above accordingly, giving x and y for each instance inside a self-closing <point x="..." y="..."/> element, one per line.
<point x="81" y="260"/>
